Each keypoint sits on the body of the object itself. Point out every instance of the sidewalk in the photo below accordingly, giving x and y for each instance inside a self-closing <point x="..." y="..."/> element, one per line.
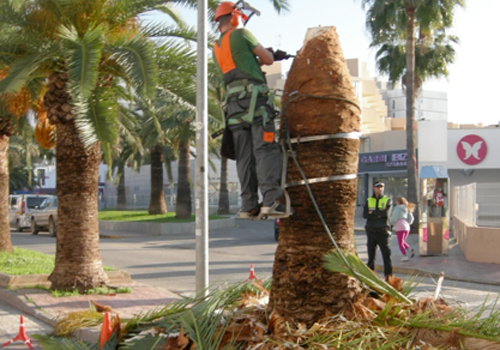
<point x="38" y="305"/>
<point x="454" y="265"/>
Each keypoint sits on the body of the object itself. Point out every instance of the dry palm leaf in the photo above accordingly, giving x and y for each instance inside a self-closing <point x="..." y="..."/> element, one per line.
<point x="45" y="132"/>
<point x="101" y="307"/>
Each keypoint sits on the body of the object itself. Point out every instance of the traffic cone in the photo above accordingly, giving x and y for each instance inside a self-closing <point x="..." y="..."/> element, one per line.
<point x="106" y="330"/>
<point x="252" y="274"/>
<point x="20" y="336"/>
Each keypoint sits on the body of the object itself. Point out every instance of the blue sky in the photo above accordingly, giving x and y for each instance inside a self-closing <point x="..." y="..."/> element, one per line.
<point x="474" y="80"/>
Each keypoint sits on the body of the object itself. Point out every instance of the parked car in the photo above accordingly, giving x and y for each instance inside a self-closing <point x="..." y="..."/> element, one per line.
<point x="276" y="229"/>
<point x="44" y="217"/>
<point x="20" y="208"/>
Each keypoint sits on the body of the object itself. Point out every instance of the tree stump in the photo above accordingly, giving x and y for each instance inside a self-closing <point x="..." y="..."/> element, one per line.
<point x="319" y="101"/>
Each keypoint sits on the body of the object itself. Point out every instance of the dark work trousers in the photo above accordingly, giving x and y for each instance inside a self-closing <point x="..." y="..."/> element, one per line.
<point x="379" y="237"/>
<point x="258" y="163"/>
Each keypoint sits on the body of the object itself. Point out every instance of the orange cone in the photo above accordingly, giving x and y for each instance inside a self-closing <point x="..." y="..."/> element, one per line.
<point x="20" y="336"/>
<point x="252" y="274"/>
<point x="106" y="330"/>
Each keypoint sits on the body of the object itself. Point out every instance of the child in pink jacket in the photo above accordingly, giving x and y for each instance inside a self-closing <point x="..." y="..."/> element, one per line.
<point x="401" y="219"/>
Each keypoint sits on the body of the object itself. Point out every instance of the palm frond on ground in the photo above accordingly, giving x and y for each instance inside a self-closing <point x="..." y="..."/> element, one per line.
<point x="238" y="317"/>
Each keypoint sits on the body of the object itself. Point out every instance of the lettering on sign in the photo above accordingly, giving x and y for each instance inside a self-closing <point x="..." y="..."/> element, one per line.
<point x="376" y="158"/>
<point x="390" y="160"/>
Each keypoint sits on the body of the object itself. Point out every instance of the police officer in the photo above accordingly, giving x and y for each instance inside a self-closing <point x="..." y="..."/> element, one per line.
<point x="249" y="113"/>
<point x="376" y="213"/>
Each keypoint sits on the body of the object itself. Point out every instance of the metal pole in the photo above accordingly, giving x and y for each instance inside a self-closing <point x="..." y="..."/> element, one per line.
<point x="201" y="199"/>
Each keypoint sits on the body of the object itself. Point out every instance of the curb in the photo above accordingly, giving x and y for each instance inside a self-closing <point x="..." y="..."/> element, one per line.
<point x="16" y="301"/>
<point x="424" y="273"/>
<point x="87" y="334"/>
<point x="15" y="281"/>
<point x="140" y="229"/>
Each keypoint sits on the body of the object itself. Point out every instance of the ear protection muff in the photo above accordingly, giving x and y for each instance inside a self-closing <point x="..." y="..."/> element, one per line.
<point x="235" y="18"/>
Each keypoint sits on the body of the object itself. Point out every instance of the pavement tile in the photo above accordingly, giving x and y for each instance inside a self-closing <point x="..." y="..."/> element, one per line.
<point x="143" y="298"/>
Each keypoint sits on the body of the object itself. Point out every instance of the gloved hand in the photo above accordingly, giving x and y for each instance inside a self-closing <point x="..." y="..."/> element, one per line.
<point x="280" y="55"/>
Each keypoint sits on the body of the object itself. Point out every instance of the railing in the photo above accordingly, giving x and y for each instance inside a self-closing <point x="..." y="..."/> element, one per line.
<point x="488" y="202"/>
<point x="465" y="203"/>
<point x="136" y="202"/>
<point x="478" y="204"/>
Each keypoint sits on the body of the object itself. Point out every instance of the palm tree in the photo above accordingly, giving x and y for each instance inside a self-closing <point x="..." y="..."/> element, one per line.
<point x="326" y="105"/>
<point x="128" y="153"/>
<point x="216" y="92"/>
<point x="168" y="123"/>
<point x="11" y="106"/>
<point x="391" y="23"/>
<point x="81" y="50"/>
<point x="168" y="132"/>
<point x="6" y="130"/>
<point x="23" y="149"/>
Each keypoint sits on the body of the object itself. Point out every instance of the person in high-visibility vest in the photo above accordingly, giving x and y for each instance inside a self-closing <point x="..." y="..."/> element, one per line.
<point x="249" y="114"/>
<point x="378" y="229"/>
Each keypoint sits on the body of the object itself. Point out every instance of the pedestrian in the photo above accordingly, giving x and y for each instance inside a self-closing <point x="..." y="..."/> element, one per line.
<point x="401" y="219"/>
<point x="250" y="132"/>
<point x="376" y="213"/>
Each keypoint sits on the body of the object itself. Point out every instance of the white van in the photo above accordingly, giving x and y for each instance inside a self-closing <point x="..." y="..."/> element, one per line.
<point x="21" y="207"/>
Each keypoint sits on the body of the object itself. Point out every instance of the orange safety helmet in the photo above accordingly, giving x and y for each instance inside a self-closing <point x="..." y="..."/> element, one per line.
<point x="224" y="8"/>
<point x="228" y="8"/>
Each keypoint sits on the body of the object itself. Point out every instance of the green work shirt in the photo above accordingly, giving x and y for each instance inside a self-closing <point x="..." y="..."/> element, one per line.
<point x="242" y="43"/>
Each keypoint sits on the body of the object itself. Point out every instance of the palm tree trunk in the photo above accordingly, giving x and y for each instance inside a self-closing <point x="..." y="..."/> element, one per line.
<point x="412" y="195"/>
<point x="157" y="203"/>
<point x="121" y="195"/>
<point x="223" y="192"/>
<point x="5" y="242"/>
<point x="183" y="205"/>
<point x="302" y="289"/>
<point x="78" y="260"/>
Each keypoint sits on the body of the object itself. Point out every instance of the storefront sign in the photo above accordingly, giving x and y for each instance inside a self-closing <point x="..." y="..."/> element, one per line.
<point x="382" y="161"/>
<point x="471" y="149"/>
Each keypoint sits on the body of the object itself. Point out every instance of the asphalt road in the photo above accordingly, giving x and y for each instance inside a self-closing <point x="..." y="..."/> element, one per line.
<point x="169" y="261"/>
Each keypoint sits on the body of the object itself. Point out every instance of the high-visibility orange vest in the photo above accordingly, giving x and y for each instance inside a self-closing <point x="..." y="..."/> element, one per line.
<point x="223" y="54"/>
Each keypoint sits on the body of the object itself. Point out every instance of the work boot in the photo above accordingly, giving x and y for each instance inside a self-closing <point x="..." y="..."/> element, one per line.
<point x="251" y="213"/>
<point x="276" y="209"/>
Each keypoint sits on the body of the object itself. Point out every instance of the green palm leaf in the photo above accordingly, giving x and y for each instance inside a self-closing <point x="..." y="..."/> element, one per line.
<point x="173" y="13"/>
<point x="143" y="342"/>
<point x="137" y="57"/>
<point x="335" y="263"/>
<point x="20" y="73"/>
<point x="158" y="30"/>
<point x="97" y="118"/>
<point x="55" y="343"/>
<point x="83" y="56"/>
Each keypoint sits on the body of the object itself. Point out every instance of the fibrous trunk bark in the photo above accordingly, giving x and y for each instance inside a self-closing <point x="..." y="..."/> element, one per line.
<point x="223" y="192"/>
<point x="301" y="288"/>
<point x="412" y="195"/>
<point x="78" y="261"/>
<point x="5" y="241"/>
<point x="121" y="195"/>
<point x="157" y="204"/>
<point x="183" y="204"/>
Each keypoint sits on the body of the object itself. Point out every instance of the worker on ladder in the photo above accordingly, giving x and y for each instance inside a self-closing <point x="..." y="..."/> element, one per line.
<point x="249" y="136"/>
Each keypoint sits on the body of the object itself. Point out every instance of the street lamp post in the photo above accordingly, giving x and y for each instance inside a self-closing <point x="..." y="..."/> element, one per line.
<point x="201" y="201"/>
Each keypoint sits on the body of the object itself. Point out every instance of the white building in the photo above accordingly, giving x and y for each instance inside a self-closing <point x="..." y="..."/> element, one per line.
<point x="429" y="105"/>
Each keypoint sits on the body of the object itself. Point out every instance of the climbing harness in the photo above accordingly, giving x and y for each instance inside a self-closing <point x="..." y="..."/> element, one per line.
<point x="243" y="89"/>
